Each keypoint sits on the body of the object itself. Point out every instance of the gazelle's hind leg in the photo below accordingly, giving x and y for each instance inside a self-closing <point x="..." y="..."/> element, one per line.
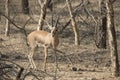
<point x="30" y="57"/>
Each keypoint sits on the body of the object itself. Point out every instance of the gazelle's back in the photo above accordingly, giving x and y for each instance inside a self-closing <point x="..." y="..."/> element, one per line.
<point x="38" y="37"/>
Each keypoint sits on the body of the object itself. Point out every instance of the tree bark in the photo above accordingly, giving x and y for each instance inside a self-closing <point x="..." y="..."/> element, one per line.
<point x="112" y="38"/>
<point x="76" y="31"/>
<point x="7" y="29"/>
<point x="42" y="15"/>
<point x="101" y="32"/>
<point x="25" y="6"/>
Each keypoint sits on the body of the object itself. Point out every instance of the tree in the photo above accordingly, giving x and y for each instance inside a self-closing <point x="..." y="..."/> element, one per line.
<point x="7" y="29"/>
<point x="25" y="6"/>
<point x="74" y="24"/>
<point x="44" y="5"/>
<point x="112" y="38"/>
<point x="101" y="30"/>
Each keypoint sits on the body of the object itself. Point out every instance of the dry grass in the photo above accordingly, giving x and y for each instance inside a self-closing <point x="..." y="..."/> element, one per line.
<point x="91" y="63"/>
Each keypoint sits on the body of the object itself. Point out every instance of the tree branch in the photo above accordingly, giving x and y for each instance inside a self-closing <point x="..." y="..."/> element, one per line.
<point x="14" y="24"/>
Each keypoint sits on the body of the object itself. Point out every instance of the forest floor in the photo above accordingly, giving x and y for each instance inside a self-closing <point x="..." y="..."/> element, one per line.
<point x="86" y="61"/>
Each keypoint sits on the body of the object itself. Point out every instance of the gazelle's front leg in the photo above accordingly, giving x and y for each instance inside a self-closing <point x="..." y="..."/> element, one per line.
<point x="55" y="57"/>
<point x="30" y="57"/>
<point x="45" y="59"/>
<point x="56" y="64"/>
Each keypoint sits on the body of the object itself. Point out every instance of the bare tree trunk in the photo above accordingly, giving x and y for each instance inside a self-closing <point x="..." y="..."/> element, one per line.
<point x="101" y="32"/>
<point x="7" y="29"/>
<point x="112" y="38"/>
<point x="76" y="31"/>
<point x="42" y="15"/>
<point x="25" y="6"/>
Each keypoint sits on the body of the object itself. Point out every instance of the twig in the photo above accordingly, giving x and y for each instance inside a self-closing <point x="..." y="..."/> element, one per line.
<point x="11" y="62"/>
<point x="27" y="22"/>
<point x="88" y="12"/>
<point x="67" y="23"/>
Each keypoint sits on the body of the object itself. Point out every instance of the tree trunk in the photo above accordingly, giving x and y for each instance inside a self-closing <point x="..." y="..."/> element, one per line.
<point x="42" y="15"/>
<point x="25" y="6"/>
<point x="112" y="38"/>
<point x="76" y="31"/>
<point x="7" y="29"/>
<point x="101" y="32"/>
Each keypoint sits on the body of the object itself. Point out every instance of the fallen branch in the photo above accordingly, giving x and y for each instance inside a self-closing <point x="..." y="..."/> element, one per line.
<point x="10" y="68"/>
<point x="37" y="74"/>
<point x="63" y="53"/>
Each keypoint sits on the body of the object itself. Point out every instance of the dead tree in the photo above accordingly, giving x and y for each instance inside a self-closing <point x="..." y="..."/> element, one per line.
<point x="25" y="6"/>
<point x="74" y="24"/>
<point x="7" y="29"/>
<point x="101" y="30"/>
<point x="112" y="38"/>
<point x="44" y="4"/>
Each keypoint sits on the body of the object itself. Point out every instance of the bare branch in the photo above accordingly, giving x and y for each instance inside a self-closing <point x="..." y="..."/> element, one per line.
<point x="74" y="13"/>
<point x="88" y="12"/>
<point x="40" y="2"/>
<point x="67" y="23"/>
<point x="27" y="22"/>
<point x="15" y="24"/>
<point x="113" y="1"/>
<point x="47" y="23"/>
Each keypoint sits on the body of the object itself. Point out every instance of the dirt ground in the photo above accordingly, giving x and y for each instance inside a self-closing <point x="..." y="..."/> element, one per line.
<point x="86" y="61"/>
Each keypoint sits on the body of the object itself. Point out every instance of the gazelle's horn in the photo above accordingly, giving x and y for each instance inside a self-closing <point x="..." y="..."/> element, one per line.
<point x="52" y="19"/>
<point x="56" y="21"/>
<point x="48" y="24"/>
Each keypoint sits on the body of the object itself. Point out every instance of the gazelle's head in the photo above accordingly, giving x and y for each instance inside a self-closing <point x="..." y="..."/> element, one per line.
<point x="54" y="29"/>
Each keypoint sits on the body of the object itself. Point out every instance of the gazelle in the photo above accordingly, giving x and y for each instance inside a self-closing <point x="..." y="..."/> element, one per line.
<point x="45" y="39"/>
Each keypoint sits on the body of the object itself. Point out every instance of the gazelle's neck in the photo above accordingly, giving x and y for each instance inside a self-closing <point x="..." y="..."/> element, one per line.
<point x="56" y="35"/>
